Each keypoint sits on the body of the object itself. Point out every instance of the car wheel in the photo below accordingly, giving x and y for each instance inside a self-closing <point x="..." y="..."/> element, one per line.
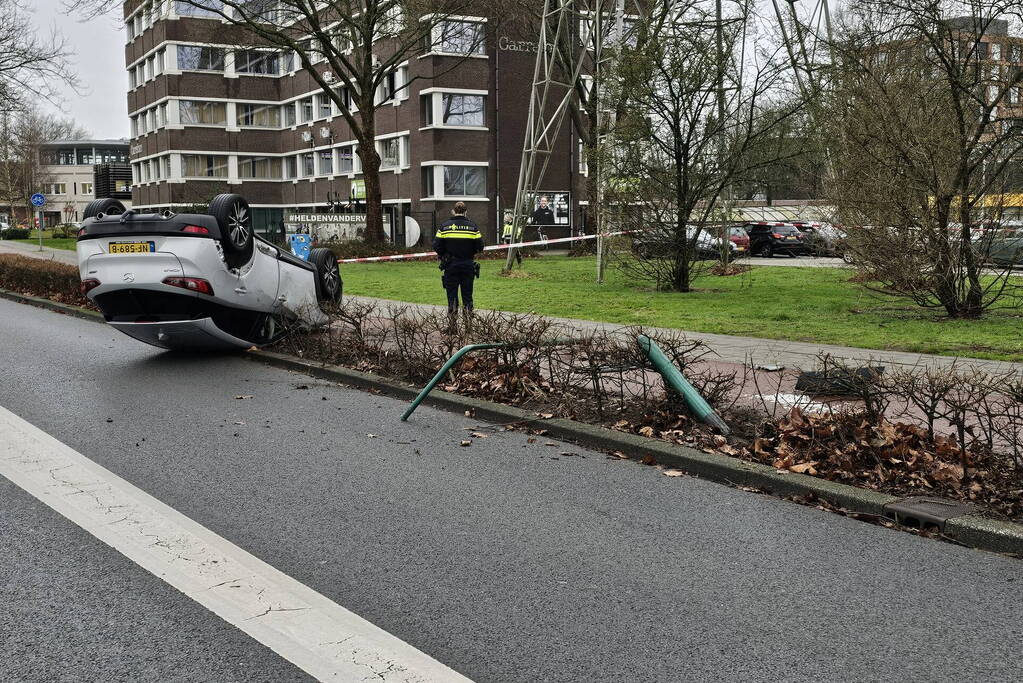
<point x="767" y="251"/>
<point x="235" y="222"/>
<point x="107" y="207"/>
<point x="328" y="275"/>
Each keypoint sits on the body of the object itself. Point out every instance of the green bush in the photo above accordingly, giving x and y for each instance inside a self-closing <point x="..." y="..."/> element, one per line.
<point x="63" y="231"/>
<point x="38" y="277"/>
<point x="16" y="234"/>
<point x="360" y="249"/>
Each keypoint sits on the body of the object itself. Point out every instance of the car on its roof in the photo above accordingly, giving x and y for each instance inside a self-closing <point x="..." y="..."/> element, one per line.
<point x="199" y="281"/>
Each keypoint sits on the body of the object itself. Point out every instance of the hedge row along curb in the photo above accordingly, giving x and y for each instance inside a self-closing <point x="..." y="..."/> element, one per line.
<point x="970" y="530"/>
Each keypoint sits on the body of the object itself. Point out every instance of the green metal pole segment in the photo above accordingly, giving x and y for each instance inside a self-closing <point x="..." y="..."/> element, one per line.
<point x="443" y="371"/>
<point x="673" y="377"/>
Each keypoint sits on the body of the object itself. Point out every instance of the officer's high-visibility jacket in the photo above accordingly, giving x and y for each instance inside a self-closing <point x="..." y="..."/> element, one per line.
<point x="458" y="240"/>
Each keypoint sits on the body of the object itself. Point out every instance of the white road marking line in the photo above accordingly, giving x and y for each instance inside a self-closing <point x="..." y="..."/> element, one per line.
<point x="304" y="627"/>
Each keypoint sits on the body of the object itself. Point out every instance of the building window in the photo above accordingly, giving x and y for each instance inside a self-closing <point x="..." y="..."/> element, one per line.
<point x="291" y="167"/>
<point x="204" y="166"/>
<point x="458" y="37"/>
<point x="324" y="106"/>
<point x="166" y="167"/>
<point x="261" y="168"/>
<point x="345" y="95"/>
<point x="200" y="58"/>
<point x="160" y="60"/>
<point x="462" y="110"/>
<point x="203" y="113"/>
<point x="326" y="162"/>
<point x="465" y="181"/>
<point x="87" y="189"/>
<point x="428" y="181"/>
<point x="390" y="153"/>
<point x="346" y="159"/>
<point x="307" y="109"/>
<point x="259" y="115"/>
<point x="289" y="114"/>
<point x="307" y="165"/>
<point x="56" y="188"/>
<point x="206" y="8"/>
<point x="426" y="109"/>
<point x="256" y="62"/>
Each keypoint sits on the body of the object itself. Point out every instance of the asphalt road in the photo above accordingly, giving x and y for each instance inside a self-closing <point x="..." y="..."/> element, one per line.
<point x="507" y="561"/>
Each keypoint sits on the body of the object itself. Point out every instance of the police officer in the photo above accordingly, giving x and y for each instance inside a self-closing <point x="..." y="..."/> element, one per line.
<point x="457" y="243"/>
<point x="508" y="233"/>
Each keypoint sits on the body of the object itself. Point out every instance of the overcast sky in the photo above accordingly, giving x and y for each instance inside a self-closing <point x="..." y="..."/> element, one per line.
<point x="98" y="49"/>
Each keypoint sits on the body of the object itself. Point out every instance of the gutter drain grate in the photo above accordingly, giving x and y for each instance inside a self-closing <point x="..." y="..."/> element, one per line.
<point x="927" y="511"/>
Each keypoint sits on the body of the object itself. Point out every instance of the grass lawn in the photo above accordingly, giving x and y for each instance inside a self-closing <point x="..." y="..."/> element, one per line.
<point x="798" y="304"/>
<point x="67" y="243"/>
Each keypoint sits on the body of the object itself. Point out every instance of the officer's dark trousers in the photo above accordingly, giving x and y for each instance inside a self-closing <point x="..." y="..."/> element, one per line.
<point x="459" y="276"/>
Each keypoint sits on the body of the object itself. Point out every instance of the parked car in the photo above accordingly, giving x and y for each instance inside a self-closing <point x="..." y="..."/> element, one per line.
<point x="199" y="281"/>
<point x="767" y="238"/>
<point x="655" y="242"/>
<point x="821" y="239"/>
<point x="740" y="239"/>
<point x="1002" y="246"/>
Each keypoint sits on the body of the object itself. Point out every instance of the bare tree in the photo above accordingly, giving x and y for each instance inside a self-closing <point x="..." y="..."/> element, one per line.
<point x="927" y="124"/>
<point x="699" y="121"/>
<point x="351" y="49"/>
<point x="22" y="168"/>
<point x="29" y="63"/>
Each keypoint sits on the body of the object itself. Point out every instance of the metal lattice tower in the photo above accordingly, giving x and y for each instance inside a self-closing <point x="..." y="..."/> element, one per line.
<point x="803" y="38"/>
<point x="562" y="55"/>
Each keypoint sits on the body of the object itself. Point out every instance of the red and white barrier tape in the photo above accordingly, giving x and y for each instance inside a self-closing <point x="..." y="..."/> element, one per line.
<point x="493" y="247"/>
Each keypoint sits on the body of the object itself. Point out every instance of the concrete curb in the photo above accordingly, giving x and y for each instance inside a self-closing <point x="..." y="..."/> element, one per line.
<point x="969" y="530"/>
<point x="67" y="309"/>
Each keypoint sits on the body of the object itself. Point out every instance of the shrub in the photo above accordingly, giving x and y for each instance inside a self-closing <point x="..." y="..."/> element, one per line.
<point x="64" y="231"/>
<point x="16" y="234"/>
<point x="46" y="279"/>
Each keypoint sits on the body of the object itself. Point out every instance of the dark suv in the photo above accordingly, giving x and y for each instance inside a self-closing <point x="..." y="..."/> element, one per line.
<point x="767" y="238"/>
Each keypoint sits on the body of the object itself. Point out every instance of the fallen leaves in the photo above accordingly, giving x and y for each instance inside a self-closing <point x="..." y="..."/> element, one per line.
<point x="673" y="473"/>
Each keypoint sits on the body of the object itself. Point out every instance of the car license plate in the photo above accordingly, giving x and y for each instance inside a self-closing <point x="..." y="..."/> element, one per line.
<point x="132" y="247"/>
<point x="790" y="237"/>
<point x="740" y="248"/>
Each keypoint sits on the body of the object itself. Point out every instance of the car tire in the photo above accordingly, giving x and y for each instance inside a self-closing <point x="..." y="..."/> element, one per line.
<point x="107" y="207"/>
<point x="328" y="275"/>
<point x="767" y="251"/>
<point x="235" y="222"/>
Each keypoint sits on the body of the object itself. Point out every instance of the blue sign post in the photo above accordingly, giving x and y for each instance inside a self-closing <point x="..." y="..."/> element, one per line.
<point x="38" y="200"/>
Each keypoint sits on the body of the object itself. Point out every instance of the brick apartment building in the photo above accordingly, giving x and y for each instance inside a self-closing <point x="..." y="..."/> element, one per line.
<point x="208" y="117"/>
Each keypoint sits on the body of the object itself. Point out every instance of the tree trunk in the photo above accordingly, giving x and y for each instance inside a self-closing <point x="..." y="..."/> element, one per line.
<point x="371" y="174"/>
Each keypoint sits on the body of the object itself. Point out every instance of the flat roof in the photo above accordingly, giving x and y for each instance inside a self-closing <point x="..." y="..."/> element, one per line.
<point x="83" y="143"/>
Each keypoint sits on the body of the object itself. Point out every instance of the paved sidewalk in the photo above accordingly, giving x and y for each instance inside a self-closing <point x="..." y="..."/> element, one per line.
<point x="47" y="254"/>
<point x="787" y="354"/>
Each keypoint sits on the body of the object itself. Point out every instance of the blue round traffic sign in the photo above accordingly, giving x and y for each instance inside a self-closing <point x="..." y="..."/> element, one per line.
<point x="37" y="199"/>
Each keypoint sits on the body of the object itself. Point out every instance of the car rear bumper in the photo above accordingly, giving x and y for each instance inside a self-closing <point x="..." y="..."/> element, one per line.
<point x="184" y="335"/>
